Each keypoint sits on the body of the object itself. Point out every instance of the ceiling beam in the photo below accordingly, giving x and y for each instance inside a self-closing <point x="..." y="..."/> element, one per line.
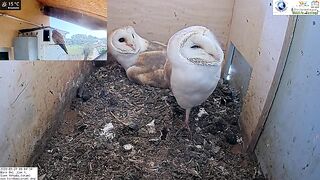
<point x="78" y="18"/>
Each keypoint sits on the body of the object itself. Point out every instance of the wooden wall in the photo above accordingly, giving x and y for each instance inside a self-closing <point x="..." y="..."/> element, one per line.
<point x="91" y="14"/>
<point x="263" y="40"/>
<point x="159" y="20"/>
<point x="289" y="145"/>
<point x="33" y="97"/>
<point x="95" y="8"/>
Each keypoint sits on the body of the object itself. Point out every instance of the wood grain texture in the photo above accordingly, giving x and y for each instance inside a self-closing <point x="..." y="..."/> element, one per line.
<point x="34" y="96"/>
<point x="275" y="83"/>
<point x="96" y="8"/>
<point x="74" y="17"/>
<point x="247" y="26"/>
<point x="159" y="20"/>
<point x="261" y="38"/>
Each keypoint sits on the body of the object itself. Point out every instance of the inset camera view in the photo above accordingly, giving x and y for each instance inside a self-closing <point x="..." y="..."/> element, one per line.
<point x="54" y="30"/>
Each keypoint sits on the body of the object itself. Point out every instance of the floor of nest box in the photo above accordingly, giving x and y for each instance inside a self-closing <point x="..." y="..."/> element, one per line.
<point x="115" y="129"/>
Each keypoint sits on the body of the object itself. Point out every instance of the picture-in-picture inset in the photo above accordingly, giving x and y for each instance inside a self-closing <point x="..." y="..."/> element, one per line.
<point x="53" y="30"/>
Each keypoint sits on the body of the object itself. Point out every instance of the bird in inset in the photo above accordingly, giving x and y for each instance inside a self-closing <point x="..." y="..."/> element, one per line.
<point x="145" y="68"/>
<point x="59" y="39"/>
<point x="195" y="57"/>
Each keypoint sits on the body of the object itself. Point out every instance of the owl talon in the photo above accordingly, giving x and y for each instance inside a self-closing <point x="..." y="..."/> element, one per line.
<point x="186" y="126"/>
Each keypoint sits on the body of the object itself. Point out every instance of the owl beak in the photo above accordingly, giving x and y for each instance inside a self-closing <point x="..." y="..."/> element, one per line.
<point x="131" y="46"/>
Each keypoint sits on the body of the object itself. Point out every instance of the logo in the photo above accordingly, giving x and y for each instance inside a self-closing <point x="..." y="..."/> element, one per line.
<point x="281" y="6"/>
<point x="302" y="4"/>
<point x="296" y="7"/>
<point x="315" y="4"/>
<point x="4" y="4"/>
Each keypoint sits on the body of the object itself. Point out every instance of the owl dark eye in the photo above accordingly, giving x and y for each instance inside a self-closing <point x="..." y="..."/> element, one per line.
<point x="195" y="47"/>
<point x="132" y="35"/>
<point x="121" y="40"/>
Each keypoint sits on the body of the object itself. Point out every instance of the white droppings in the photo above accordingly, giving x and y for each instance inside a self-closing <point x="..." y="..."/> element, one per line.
<point x="198" y="129"/>
<point x="224" y="171"/>
<point x="164" y="98"/>
<point x="107" y="131"/>
<point x="154" y="140"/>
<point x="216" y="149"/>
<point x="239" y="140"/>
<point x="108" y="127"/>
<point x="69" y="139"/>
<point x="202" y="112"/>
<point x="127" y="147"/>
<point x="151" y="127"/>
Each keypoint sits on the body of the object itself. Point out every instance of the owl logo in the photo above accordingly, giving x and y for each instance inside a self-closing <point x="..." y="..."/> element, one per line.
<point x="281" y="6"/>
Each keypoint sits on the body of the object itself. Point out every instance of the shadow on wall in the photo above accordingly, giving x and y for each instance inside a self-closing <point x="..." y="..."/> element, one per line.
<point x="33" y="96"/>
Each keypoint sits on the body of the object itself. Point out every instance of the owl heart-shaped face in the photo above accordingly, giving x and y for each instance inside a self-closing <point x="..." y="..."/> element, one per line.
<point x="126" y="41"/>
<point x="196" y="45"/>
<point x="126" y="45"/>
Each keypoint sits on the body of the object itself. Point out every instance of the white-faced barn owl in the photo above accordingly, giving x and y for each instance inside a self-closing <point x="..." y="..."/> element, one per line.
<point x="141" y="66"/>
<point x="195" y="57"/>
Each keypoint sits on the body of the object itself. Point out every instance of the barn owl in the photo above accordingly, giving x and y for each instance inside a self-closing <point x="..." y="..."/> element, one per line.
<point x="133" y="53"/>
<point x="195" y="57"/>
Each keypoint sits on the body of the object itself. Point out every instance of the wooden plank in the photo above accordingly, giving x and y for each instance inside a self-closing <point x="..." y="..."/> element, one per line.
<point x="93" y="8"/>
<point x="246" y="27"/>
<point x="275" y="83"/>
<point x="289" y="145"/>
<point x="265" y="66"/>
<point x="158" y="20"/>
<point x="261" y="38"/>
<point x="35" y="95"/>
<point x="76" y="18"/>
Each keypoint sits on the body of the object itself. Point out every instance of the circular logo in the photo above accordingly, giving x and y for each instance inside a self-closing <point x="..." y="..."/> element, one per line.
<point x="281" y="6"/>
<point x="4" y="4"/>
